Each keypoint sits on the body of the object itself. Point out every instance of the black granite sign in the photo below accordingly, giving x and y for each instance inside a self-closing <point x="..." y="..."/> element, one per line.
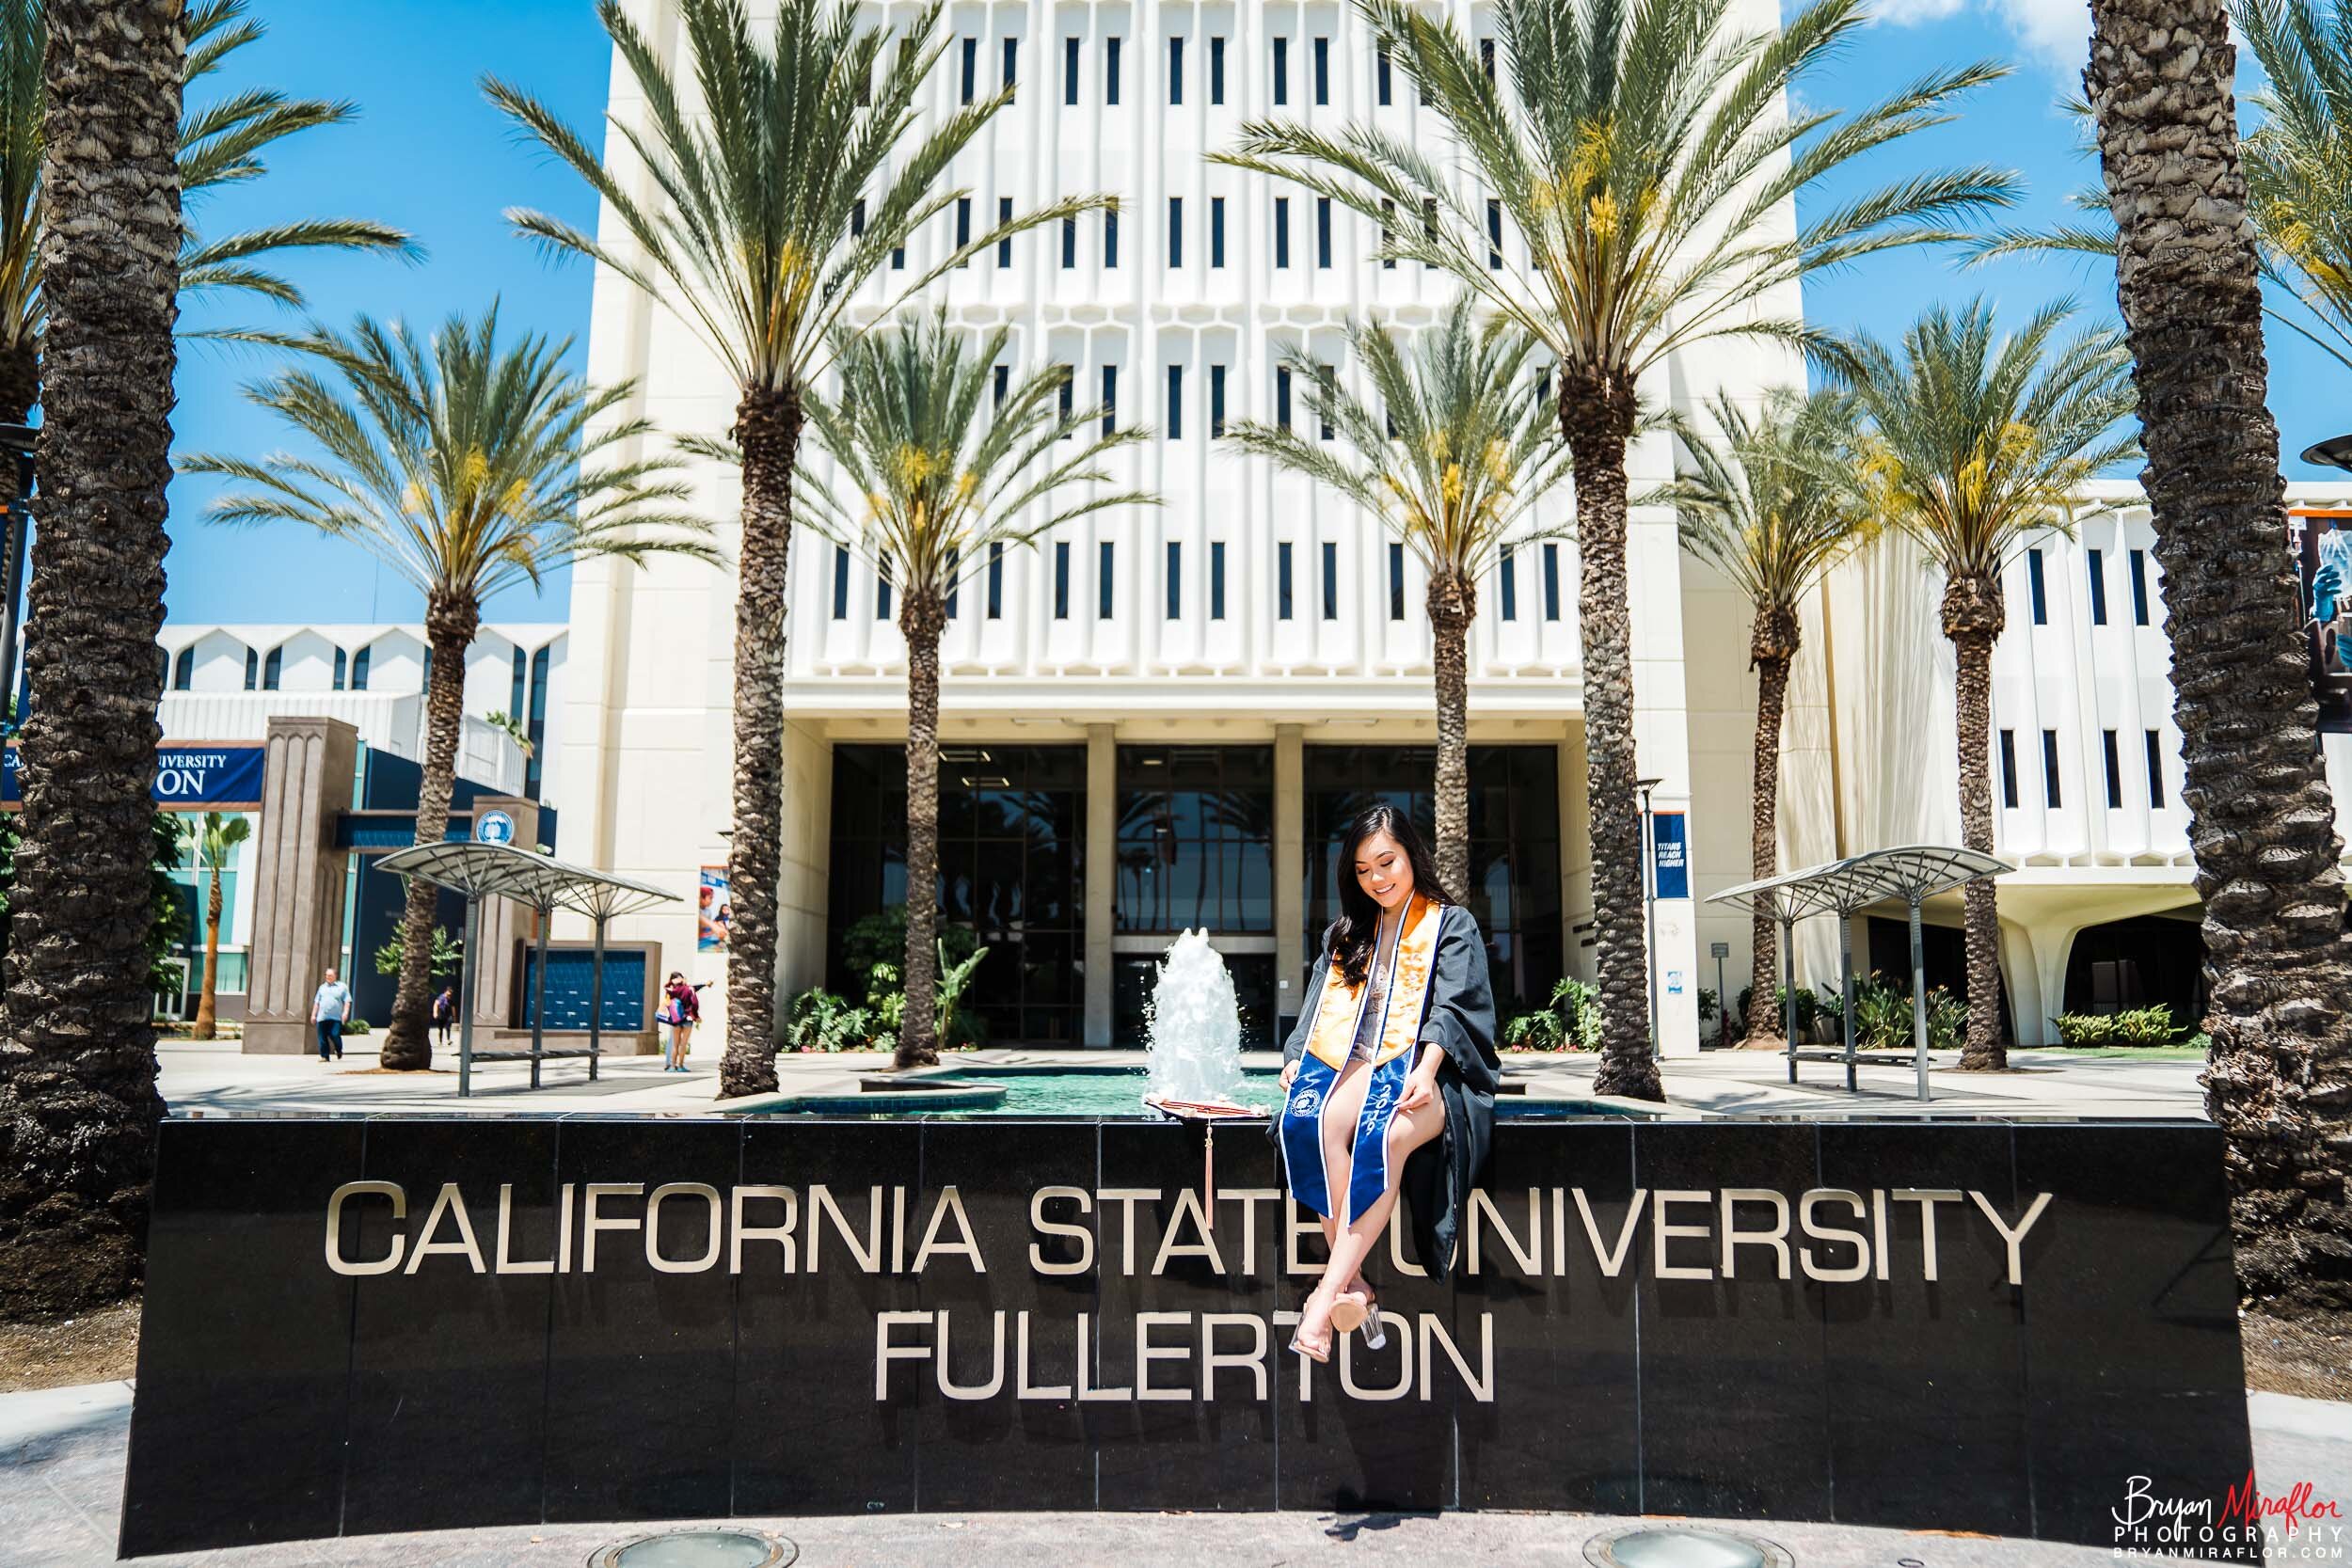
<point x="390" y="1324"/>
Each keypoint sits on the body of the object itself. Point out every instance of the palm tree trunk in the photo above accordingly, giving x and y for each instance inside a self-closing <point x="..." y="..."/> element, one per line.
<point x="1596" y="416"/>
<point x="922" y="616"/>
<point x="1452" y="603"/>
<point x="2280" y="1080"/>
<point x="206" y="1003"/>
<point x="1974" y="615"/>
<point x="78" y="1106"/>
<point x="767" y="424"/>
<point x="451" y="621"/>
<point x="1772" y="696"/>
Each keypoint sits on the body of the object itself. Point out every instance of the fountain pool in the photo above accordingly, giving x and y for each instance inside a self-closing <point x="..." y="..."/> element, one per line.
<point x="1103" y="1093"/>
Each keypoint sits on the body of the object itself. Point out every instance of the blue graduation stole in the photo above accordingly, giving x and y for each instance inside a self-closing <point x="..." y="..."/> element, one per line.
<point x="1338" y="1013"/>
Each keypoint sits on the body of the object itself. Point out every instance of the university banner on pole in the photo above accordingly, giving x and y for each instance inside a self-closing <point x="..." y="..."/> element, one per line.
<point x="189" y="776"/>
<point x="713" y="916"/>
<point x="1670" y="862"/>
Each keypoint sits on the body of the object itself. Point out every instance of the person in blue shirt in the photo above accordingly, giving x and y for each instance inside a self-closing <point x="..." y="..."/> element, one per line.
<point x="330" y="1008"/>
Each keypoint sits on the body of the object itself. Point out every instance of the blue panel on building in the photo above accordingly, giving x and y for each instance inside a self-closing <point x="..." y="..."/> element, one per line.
<point x="570" y="976"/>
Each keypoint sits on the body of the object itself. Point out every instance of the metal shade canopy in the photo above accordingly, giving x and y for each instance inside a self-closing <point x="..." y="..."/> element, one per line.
<point x="481" y="871"/>
<point x="1912" y="873"/>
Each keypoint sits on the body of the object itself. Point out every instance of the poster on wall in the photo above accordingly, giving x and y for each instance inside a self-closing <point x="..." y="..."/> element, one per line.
<point x="712" y="914"/>
<point x="2321" y="543"/>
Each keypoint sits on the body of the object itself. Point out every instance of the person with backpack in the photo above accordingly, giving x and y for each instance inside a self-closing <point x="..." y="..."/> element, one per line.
<point x="682" y="1009"/>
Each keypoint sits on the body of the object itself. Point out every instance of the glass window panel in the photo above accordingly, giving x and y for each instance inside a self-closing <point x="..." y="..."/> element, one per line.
<point x="894" y="875"/>
<point x="1490" y="869"/>
<point x="1190" y="887"/>
<point x="1045" y="896"/>
<point x="1249" y="885"/>
<point x="1046" y="971"/>
<point x="1194" y="767"/>
<point x="997" y="885"/>
<point x="998" y="813"/>
<point x="1535" y="886"/>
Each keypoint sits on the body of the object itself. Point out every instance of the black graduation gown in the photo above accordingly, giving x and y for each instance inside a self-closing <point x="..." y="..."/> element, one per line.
<point x="1460" y="1018"/>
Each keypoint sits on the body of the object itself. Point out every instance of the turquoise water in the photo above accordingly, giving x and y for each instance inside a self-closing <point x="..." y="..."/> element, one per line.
<point x="1119" y="1092"/>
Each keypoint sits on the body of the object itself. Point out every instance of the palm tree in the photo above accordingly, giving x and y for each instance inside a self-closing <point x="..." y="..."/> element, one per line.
<point x="2296" y="164"/>
<point x="1451" y="449"/>
<point x="220" y="145"/>
<point x="789" y="184"/>
<point x="467" y="466"/>
<point x="943" y="473"/>
<point x="217" y="840"/>
<point x="1646" y="158"/>
<point x="1774" y="507"/>
<point x="78" y="1105"/>
<point x="2280" y="1080"/>
<point x="1977" y="441"/>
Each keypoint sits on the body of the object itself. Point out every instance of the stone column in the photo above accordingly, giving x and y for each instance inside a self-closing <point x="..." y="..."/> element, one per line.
<point x="1290" y="869"/>
<point x="308" y="768"/>
<point x="1575" y="857"/>
<point x="1101" y="878"/>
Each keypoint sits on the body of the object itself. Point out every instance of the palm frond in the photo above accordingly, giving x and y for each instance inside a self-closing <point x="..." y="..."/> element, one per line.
<point x="464" y="462"/>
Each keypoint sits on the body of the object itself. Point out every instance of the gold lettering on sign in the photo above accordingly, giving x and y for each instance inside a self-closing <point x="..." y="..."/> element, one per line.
<point x="508" y="1262"/>
<point x="1252" y="1360"/>
<point x="1661" y="1232"/>
<point x="780" y="1234"/>
<point x="1776" y="1238"/>
<point x="1927" y="1198"/>
<point x="1170" y="1248"/>
<point x="1146" y="1352"/>
<point x="950" y="1202"/>
<point x="1083" y="1235"/>
<point x="948" y="1386"/>
<point x="449" y="1203"/>
<point x="1612" y="1260"/>
<point x="1844" y="1273"/>
<point x="591" y="1222"/>
<point x="335" y="1258"/>
<point x="653" y="1228"/>
<point x="2014" y="1239"/>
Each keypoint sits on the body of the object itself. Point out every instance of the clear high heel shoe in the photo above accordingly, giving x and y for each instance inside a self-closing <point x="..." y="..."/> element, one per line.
<point x="1360" y="1311"/>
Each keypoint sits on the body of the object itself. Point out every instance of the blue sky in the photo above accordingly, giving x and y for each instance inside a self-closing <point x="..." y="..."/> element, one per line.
<point x="430" y="156"/>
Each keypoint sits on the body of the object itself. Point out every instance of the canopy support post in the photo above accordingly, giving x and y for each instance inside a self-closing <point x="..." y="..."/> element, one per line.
<point x="1845" y="991"/>
<point x="596" y="1000"/>
<point x="472" y="960"/>
<point x="1919" y="998"/>
<point x="1788" y="990"/>
<point x="539" y="994"/>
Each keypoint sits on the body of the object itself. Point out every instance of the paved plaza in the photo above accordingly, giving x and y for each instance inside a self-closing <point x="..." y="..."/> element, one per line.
<point x="214" y="1078"/>
<point x="61" y="1459"/>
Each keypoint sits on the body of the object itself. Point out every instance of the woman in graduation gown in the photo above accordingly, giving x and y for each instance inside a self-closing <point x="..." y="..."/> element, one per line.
<point x="1389" y="1078"/>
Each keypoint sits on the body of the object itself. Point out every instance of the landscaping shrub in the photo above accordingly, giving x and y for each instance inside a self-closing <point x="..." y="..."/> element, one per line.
<point x="2140" y="1026"/>
<point x="1570" y="1022"/>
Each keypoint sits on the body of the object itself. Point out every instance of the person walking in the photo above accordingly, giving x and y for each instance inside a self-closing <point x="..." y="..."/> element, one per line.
<point x="330" y="1007"/>
<point x="445" y="1014"/>
<point x="682" y="1009"/>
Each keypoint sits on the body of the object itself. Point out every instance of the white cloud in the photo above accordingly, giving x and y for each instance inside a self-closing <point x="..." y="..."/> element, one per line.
<point x="2051" y="33"/>
<point x="2054" y="32"/>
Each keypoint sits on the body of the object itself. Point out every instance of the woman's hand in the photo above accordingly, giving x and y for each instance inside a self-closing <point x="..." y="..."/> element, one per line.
<point x="1290" y="1072"/>
<point x="1420" y="1084"/>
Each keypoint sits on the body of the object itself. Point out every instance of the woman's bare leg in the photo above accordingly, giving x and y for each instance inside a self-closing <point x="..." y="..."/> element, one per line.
<point x="1341" y="1108"/>
<point x="1407" y="1132"/>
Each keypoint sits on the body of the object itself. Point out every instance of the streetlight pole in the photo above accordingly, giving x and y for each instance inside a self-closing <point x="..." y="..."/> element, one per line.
<point x="16" y="528"/>
<point x="1649" y="907"/>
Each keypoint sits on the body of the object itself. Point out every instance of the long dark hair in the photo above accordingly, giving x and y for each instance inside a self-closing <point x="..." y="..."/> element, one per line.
<point x="1353" y="935"/>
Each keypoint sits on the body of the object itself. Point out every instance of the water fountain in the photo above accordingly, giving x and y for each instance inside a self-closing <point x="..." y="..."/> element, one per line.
<point x="1194" y="1027"/>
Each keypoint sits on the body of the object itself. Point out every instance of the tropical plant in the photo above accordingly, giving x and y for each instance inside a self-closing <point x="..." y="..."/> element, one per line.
<point x="78" y="1102"/>
<point x="819" y="1021"/>
<point x="1772" y="507"/>
<point x="1884" y="1017"/>
<point x="958" y="1028"/>
<point x="1978" y="442"/>
<point x="465" y="464"/>
<point x="2140" y="1026"/>
<point x="217" y="840"/>
<point x="1569" y="1021"/>
<point x="511" y="726"/>
<point x="1452" y="447"/>
<point x="940" y="475"/>
<point x="2279" y="1082"/>
<point x="220" y="145"/>
<point x="447" y="956"/>
<point x="784" y="182"/>
<point x="1648" y="158"/>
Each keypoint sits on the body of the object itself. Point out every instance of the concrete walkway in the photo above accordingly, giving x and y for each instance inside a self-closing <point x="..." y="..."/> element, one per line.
<point x="216" y="1079"/>
<point x="61" y="1459"/>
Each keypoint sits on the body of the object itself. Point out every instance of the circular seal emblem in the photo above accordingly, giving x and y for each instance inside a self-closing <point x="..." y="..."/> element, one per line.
<point x="494" y="827"/>
<point x="1304" y="1101"/>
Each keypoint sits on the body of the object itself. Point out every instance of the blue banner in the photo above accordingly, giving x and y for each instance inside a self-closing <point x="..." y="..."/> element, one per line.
<point x="224" y="777"/>
<point x="1669" y="853"/>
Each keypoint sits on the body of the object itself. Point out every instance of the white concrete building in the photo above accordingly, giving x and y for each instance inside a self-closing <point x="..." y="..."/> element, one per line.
<point x="226" y="681"/>
<point x="1255" y="628"/>
<point x="1159" y="719"/>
